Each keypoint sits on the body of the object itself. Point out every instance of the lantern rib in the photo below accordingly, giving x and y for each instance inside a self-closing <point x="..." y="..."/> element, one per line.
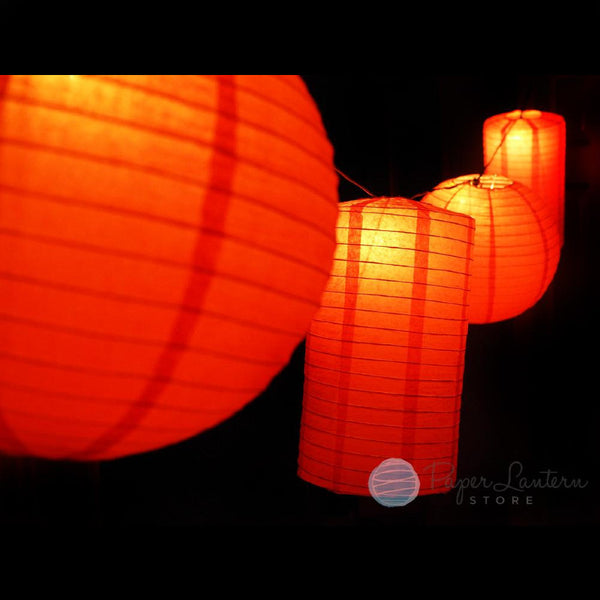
<point x="384" y="312"/>
<point x="386" y="264"/>
<point x="172" y="177"/>
<point x="401" y="281"/>
<point x="237" y="86"/>
<point x="112" y="402"/>
<point x="381" y="393"/>
<point x="380" y="328"/>
<point x="36" y="415"/>
<point x="178" y="137"/>
<point x="369" y="424"/>
<point x="127" y="254"/>
<point x="395" y="296"/>
<point x="140" y="301"/>
<point x="118" y="374"/>
<point x="377" y="376"/>
<point x="361" y="358"/>
<point x="120" y="211"/>
<point x="89" y="334"/>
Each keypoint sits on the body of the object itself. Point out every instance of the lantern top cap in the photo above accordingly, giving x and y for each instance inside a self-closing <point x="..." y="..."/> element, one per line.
<point x="541" y="118"/>
<point x="482" y="182"/>
<point x="524" y="114"/>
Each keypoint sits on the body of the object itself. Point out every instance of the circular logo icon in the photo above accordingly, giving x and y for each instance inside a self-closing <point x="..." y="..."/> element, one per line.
<point x="394" y="482"/>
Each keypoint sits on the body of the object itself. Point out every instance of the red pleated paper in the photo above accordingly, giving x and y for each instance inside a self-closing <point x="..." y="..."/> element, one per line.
<point x="529" y="146"/>
<point x="517" y="244"/>
<point x="385" y="352"/>
<point x="164" y="242"/>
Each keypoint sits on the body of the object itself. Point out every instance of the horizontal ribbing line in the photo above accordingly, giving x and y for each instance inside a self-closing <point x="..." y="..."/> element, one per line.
<point x="169" y="176"/>
<point x="395" y="297"/>
<point x="355" y="470"/>
<point x="185" y="138"/>
<point x="88" y="334"/>
<point x="461" y="221"/>
<point x="167" y="221"/>
<point x="411" y="249"/>
<point x="354" y="372"/>
<point x="368" y="358"/>
<point x="36" y="362"/>
<point x="362" y="423"/>
<point x="225" y="82"/>
<point x="383" y="279"/>
<point x="382" y="409"/>
<point x="143" y="302"/>
<point x="323" y="337"/>
<point x="116" y="402"/>
<point x="385" y="312"/>
<point x="408" y="266"/>
<point x="346" y="452"/>
<point x="166" y="262"/>
<point x="357" y="325"/>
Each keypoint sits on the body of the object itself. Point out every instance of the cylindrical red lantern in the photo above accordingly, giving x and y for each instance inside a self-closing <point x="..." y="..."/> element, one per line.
<point x="517" y="245"/>
<point x="164" y="243"/>
<point x="529" y="146"/>
<point x="385" y="352"/>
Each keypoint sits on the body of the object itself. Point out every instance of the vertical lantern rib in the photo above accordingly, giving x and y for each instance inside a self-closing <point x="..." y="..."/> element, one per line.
<point x="214" y="215"/>
<point x="416" y="324"/>
<point x="491" y="290"/>
<point x="351" y="283"/>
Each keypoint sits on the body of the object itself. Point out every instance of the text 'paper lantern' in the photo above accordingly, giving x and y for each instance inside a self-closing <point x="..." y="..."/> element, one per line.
<point x="529" y="146"/>
<point x="517" y="245"/>
<point x="385" y="352"/>
<point x="164" y="242"/>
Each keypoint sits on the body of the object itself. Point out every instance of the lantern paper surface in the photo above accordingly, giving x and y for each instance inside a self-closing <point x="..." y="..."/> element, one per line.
<point x="164" y="242"/>
<point x="517" y="244"/>
<point x="385" y="352"/>
<point x="529" y="146"/>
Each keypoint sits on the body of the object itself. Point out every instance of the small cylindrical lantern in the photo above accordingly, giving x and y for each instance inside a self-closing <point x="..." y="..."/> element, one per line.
<point x="164" y="242"/>
<point x="517" y="244"/>
<point x="529" y="146"/>
<point x="385" y="352"/>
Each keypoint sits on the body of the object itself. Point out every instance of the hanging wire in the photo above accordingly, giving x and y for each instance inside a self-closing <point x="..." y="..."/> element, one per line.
<point x="364" y="189"/>
<point x="476" y="180"/>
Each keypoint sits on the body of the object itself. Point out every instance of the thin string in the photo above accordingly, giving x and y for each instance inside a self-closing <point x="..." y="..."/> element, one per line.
<point x="355" y="183"/>
<point x="476" y="180"/>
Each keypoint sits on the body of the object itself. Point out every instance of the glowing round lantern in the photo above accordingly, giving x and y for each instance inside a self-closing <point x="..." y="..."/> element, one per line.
<point x="385" y="352"/>
<point x="164" y="242"/>
<point x="517" y="245"/>
<point x="529" y="146"/>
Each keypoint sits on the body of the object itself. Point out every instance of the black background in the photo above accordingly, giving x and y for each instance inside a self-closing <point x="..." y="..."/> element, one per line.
<point x="530" y="384"/>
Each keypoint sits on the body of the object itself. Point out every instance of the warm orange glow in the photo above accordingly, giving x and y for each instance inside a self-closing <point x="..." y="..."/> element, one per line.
<point x="164" y="242"/>
<point x="384" y="353"/>
<point x="517" y="245"/>
<point x="529" y="146"/>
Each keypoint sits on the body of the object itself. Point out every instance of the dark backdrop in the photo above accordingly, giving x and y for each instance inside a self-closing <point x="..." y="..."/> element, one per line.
<point x="530" y="393"/>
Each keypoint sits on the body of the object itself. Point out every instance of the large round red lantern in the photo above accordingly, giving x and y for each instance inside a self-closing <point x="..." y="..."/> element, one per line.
<point x="164" y="242"/>
<point x="529" y="146"/>
<point x="385" y="352"/>
<point x="517" y="244"/>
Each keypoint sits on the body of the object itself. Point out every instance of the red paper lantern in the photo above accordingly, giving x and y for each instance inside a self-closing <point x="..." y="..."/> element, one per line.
<point x="385" y="352"/>
<point x="529" y="146"/>
<point x="164" y="242"/>
<point x="517" y="245"/>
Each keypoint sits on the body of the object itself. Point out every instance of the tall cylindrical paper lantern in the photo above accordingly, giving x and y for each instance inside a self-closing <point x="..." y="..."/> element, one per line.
<point x="164" y="243"/>
<point x="385" y="352"/>
<point x="517" y="245"/>
<point x="529" y="146"/>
